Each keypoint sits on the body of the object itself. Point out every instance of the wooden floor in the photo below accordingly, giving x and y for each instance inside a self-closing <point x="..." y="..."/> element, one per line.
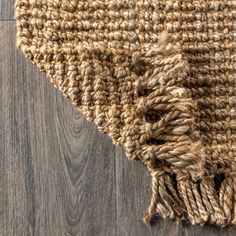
<point x="58" y="174"/>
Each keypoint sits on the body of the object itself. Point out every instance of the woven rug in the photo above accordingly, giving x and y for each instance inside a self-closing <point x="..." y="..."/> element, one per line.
<point x="159" y="78"/>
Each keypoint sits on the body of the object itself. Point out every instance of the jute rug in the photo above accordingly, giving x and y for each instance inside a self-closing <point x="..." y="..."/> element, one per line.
<point x="159" y="78"/>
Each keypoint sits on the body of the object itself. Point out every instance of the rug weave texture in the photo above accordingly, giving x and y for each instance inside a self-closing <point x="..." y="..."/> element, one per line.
<point x="159" y="78"/>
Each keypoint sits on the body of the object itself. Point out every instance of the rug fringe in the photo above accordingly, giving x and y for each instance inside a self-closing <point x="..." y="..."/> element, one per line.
<point x="167" y="109"/>
<point x="198" y="203"/>
<point x="182" y="188"/>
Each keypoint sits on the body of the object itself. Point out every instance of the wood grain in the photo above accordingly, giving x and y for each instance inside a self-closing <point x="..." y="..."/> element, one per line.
<point x="6" y="10"/>
<point x="58" y="174"/>
<point x="58" y="170"/>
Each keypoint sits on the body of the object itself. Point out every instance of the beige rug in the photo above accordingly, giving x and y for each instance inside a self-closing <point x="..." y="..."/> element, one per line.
<point x="159" y="78"/>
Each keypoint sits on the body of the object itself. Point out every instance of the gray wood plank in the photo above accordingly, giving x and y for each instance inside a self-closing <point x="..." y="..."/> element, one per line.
<point x="58" y="171"/>
<point x="6" y="10"/>
<point x="13" y="141"/>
